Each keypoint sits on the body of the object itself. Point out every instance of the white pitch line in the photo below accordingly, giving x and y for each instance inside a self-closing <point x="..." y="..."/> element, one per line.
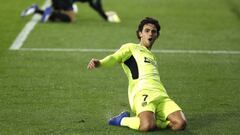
<point x="198" y="51"/>
<point x="17" y="44"/>
<point x="67" y="50"/>
<point x="113" y="50"/>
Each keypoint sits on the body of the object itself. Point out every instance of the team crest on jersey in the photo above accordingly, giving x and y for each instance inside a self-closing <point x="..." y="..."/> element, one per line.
<point x="144" y="104"/>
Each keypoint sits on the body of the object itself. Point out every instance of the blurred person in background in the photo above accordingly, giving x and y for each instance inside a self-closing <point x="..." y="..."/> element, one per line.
<point x="65" y="11"/>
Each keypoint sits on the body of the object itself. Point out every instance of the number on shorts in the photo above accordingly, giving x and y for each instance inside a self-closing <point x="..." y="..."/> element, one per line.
<point x="145" y="97"/>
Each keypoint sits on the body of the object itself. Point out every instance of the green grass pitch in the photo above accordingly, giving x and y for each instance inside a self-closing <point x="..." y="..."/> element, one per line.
<point x="52" y="93"/>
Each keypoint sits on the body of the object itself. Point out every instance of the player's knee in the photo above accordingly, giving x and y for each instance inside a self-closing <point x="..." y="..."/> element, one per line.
<point x="147" y="126"/>
<point x="179" y="125"/>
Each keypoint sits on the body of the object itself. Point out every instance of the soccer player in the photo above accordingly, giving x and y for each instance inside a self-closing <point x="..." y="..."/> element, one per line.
<point x="147" y="96"/>
<point x="63" y="11"/>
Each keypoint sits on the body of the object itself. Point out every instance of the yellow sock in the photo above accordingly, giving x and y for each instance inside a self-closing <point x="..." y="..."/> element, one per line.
<point x="162" y="124"/>
<point x="131" y="122"/>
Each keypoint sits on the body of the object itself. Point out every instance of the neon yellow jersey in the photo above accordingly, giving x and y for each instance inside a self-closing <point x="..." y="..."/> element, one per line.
<point x="140" y="66"/>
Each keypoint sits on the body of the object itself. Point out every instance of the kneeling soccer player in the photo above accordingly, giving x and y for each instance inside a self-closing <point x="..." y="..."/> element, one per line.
<point x="65" y="11"/>
<point x="147" y="96"/>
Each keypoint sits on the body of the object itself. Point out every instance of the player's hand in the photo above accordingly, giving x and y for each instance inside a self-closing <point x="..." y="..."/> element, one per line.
<point x="94" y="63"/>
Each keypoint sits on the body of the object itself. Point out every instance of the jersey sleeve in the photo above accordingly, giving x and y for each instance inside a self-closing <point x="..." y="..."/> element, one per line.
<point x="118" y="57"/>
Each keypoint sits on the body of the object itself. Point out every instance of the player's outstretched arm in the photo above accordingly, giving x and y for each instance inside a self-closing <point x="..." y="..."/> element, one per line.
<point x="93" y="63"/>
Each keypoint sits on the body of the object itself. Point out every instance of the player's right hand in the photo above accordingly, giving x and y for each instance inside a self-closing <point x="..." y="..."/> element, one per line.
<point x="94" y="63"/>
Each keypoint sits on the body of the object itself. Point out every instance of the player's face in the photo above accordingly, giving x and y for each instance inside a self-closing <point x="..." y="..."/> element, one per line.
<point x="148" y="35"/>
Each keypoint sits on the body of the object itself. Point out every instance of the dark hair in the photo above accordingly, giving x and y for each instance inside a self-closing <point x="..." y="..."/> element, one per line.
<point x="146" y="21"/>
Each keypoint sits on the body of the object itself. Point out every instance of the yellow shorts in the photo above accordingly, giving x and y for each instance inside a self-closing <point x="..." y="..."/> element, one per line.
<point x="154" y="101"/>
